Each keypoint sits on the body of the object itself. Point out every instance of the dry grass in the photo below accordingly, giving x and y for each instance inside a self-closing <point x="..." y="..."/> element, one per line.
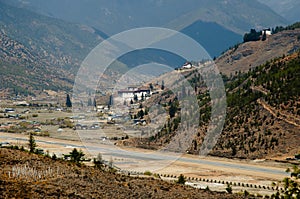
<point x="67" y="180"/>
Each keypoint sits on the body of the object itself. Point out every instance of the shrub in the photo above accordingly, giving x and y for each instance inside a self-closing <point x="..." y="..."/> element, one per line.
<point x="181" y="179"/>
<point x="229" y="188"/>
<point x="148" y="173"/>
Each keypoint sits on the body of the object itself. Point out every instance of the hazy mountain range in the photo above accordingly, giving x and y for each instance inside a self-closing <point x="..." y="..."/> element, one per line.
<point x="114" y="16"/>
<point x="197" y="18"/>
<point x="61" y="33"/>
<point x="289" y="9"/>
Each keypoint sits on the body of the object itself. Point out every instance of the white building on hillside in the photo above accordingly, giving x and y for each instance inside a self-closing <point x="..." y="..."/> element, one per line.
<point x="187" y="65"/>
<point x="266" y="31"/>
<point x="129" y="93"/>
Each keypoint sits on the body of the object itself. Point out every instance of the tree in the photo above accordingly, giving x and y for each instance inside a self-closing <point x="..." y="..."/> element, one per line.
<point x="151" y="86"/>
<point x="95" y="103"/>
<point x="111" y="101"/>
<point x="54" y="157"/>
<point x="76" y="156"/>
<point x="173" y="109"/>
<point x="142" y="97"/>
<point x="135" y="98"/>
<point x="32" y="143"/>
<point x="140" y="114"/>
<point x="98" y="162"/>
<point x="111" y="162"/>
<point x="291" y="184"/>
<point x="68" y="101"/>
<point x="264" y="37"/>
<point x="181" y="179"/>
<point x="162" y="85"/>
<point x="252" y="36"/>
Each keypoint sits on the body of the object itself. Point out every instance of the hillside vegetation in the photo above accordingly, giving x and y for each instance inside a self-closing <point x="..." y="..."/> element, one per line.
<point x="25" y="175"/>
<point x="39" y="52"/>
<point x="26" y="73"/>
<point x="263" y="117"/>
<point x="263" y="112"/>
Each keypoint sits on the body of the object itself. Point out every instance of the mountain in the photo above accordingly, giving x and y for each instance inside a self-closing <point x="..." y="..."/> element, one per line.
<point x="263" y="111"/>
<point x="25" y="72"/>
<point x="263" y="107"/>
<point x="40" y="52"/>
<point x="114" y="16"/>
<point x="64" y="44"/>
<point x="211" y="36"/>
<point x="251" y="54"/>
<point x="289" y="9"/>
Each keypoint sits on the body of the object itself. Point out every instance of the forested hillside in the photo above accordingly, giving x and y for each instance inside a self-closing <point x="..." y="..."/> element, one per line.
<point x="263" y="116"/>
<point x="263" y="112"/>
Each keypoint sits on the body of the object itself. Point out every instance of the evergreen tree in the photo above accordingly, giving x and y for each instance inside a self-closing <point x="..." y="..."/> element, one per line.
<point x="264" y="37"/>
<point x="32" y="143"/>
<point x="76" y="156"/>
<point x="142" y="97"/>
<point x="162" y="85"/>
<point x="252" y="36"/>
<point x="181" y="179"/>
<point x="151" y="86"/>
<point x="68" y="101"/>
<point x="95" y="103"/>
<point x="140" y="114"/>
<point x="111" y="101"/>
<point x="135" y="98"/>
<point x="172" y="110"/>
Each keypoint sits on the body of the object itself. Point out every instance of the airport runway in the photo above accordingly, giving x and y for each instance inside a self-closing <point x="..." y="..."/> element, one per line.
<point x="142" y="160"/>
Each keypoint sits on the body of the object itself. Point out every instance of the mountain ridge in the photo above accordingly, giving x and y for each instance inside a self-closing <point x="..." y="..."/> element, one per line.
<point x="263" y="107"/>
<point x="248" y="55"/>
<point x="112" y="17"/>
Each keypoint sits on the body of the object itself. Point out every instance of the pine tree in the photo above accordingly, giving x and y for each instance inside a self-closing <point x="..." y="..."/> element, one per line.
<point x="68" y="101"/>
<point x="135" y="98"/>
<point x="181" y="179"/>
<point x="76" y="156"/>
<point x="162" y="85"/>
<point x="32" y="143"/>
<point x="95" y="103"/>
<point x="151" y="86"/>
<point x="111" y="100"/>
<point x="142" y="97"/>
